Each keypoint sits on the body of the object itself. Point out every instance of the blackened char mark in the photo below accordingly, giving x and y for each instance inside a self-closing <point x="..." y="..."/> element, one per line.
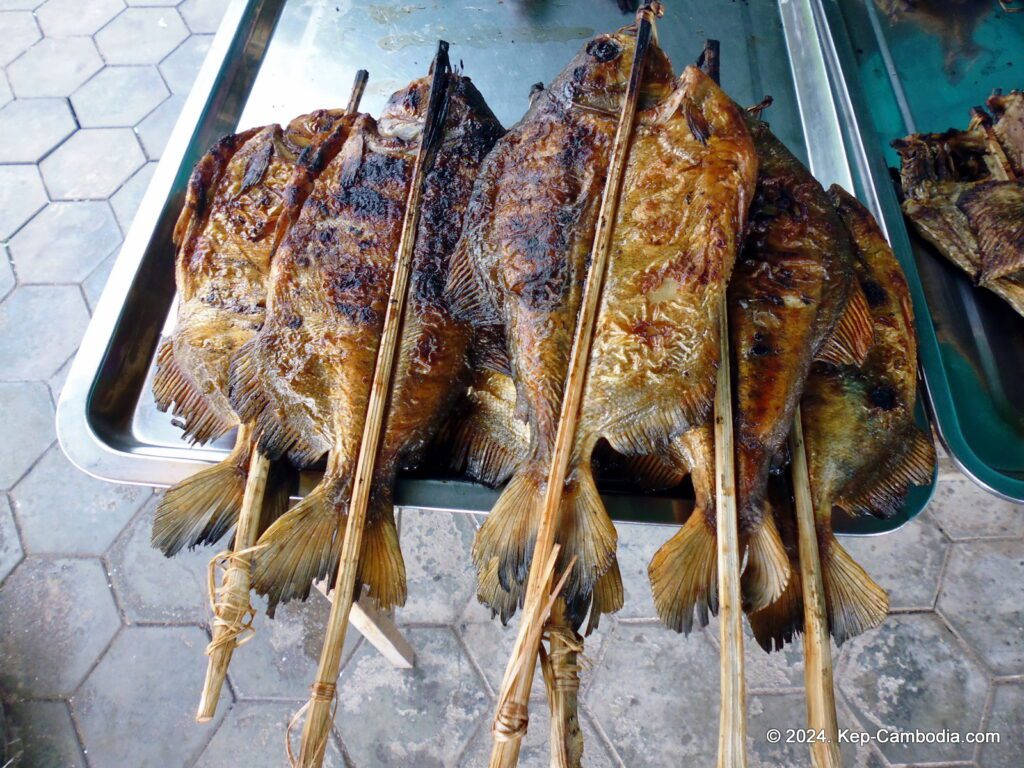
<point x="354" y="289"/>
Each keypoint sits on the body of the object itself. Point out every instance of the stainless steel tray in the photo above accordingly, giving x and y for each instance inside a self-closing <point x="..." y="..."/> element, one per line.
<point x="274" y="59"/>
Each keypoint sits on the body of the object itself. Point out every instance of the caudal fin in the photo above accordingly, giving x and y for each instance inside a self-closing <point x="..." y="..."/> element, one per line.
<point x="304" y="546"/>
<point x="684" y="575"/>
<point x="586" y="534"/>
<point x="854" y="602"/>
<point x="609" y="596"/>
<point x="504" y="543"/>
<point x="768" y="571"/>
<point x="202" y="508"/>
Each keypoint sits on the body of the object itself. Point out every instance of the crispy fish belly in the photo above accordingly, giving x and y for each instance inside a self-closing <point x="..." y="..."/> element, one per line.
<point x="863" y="448"/>
<point x="959" y="198"/>
<point x="237" y="206"/>
<point x="305" y="378"/>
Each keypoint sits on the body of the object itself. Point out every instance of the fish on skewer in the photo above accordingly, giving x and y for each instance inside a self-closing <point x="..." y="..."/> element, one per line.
<point x="304" y="379"/>
<point x="239" y="202"/>
<point x="863" y="447"/>
<point x="521" y="264"/>
<point x="792" y="298"/>
<point x="1008" y="126"/>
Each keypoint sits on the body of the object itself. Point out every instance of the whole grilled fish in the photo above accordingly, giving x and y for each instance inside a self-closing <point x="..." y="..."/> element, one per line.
<point x="863" y="448"/>
<point x="305" y="378"/>
<point x="522" y="262"/>
<point x="236" y="210"/>
<point x="791" y="298"/>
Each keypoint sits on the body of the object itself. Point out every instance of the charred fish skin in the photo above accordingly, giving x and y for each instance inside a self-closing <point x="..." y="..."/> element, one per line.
<point x="305" y="378"/>
<point x="1008" y="110"/>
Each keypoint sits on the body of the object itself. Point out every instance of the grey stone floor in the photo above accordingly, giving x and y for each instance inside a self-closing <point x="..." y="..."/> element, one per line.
<point x="101" y="638"/>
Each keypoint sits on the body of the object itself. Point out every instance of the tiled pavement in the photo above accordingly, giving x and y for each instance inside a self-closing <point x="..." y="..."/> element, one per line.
<point x="101" y="638"/>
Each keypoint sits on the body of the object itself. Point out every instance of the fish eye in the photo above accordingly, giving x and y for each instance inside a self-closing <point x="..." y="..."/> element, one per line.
<point x="604" y="49"/>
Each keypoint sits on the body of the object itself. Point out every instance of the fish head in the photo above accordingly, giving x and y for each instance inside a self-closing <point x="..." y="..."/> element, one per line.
<point x="598" y="76"/>
<point x="404" y="114"/>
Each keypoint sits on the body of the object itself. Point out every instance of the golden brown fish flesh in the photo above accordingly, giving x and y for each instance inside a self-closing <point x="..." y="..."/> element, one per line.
<point x="304" y="379"/>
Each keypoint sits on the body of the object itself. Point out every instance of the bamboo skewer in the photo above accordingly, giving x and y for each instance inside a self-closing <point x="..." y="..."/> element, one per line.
<point x="732" y="723"/>
<point x="319" y="708"/>
<point x="821" y="699"/>
<point x="562" y="679"/>
<point x="232" y="610"/>
<point x="512" y="715"/>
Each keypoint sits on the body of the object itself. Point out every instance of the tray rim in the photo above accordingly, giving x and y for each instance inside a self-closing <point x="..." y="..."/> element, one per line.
<point x="91" y="453"/>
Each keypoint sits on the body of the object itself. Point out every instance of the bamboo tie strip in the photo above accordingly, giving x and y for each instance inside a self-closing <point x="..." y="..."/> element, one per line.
<point x="821" y="698"/>
<point x="732" y="723"/>
<point x="515" y="693"/>
<point x="316" y="729"/>
<point x="232" y="610"/>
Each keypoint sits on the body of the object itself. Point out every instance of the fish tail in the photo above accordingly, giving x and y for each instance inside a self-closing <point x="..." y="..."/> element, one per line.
<point x="303" y="546"/>
<point x="768" y="571"/>
<point x="684" y="575"/>
<point x="587" y="534"/>
<point x="202" y="508"/>
<point x="853" y="334"/>
<point x="781" y="621"/>
<point x="609" y="596"/>
<point x="502" y="603"/>
<point x="504" y="543"/>
<point x="175" y="390"/>
<point x="854" y="602"/>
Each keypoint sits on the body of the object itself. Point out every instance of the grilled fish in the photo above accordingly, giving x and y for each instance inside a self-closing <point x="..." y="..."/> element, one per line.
<point x="1008" y="126"/>
<point x="863" y="448"/>
<point x="961" y="197"/>
<point x="304" y="379"/>
<point x="791" y="298"/>
<point x="235" y="211"/>
<point x="522" y="263"/>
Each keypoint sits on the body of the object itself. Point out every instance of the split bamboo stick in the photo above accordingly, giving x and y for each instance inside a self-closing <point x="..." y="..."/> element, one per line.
<point x="319" y="709"/>
<point x="232" y="611"/>
<point x="562" y="679"/>
<point x="821" y="699"/>
<point x="512" y="715"/>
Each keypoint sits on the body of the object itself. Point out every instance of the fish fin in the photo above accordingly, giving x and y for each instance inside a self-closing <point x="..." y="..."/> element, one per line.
<point x="995" y="210"/>
<point x="684" y="575"/>
<point x="502" y="603"/>
<point x="656" y="471"/>
<point x="489" y="351"/>
<point x="855" y="603"/>
<point x="175" y="390"/>
<point x="853" y="334"/>
<point x="767" y="572"/>
<point x="640" y="434"/>
<point x="304" y="546"/>
<point x="475" y="451"/>
<point x="586" y="533"/>
<point x="202" y="508"/>
<point x="911" y="461"/>
<point x="251" y="401"/>
<point x="510" y="530"/>
<point x="466" y="294"/>
<point x="781" y="621"/>
<point x="609" y="596"/>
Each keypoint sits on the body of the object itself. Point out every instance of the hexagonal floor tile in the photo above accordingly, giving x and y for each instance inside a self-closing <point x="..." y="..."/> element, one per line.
<point x="781" y="712"/>
<point x="1007" y="720"/>
<point x="20" y="31"/>
<point x="438" y="564"/>
<point x="55" y="66"/>
<point x="203" y="15"/>
<point x="30" y="128"/>
<point x="127" y="199"/>
<point x="119" y="96"/>
<point x="156" y="129"/>
<point x="655" y="697"/>
<point x="60" y="18"/>
<point x="65" y="242"/>
<point x="907" y="562"/>
<point x="775" y="671"/>
<point x="983" y="598"/>
<point x="152" y="587"/>
<point x="535" y="751"/>
<point x="42" y="734"/>
<point x="637" y="545"/>
<point x="10" y="544"/>
<point x="56" y="382"/>
<point x="72" y="172"/>
<point x="94" y="284"/>
<point x="21" y="196"/>
<point x="181" y="67"/>
<point x="5" y="91"/>
<point x="252" y="735"/>
<point x="46" y="496"/>
<point x="912" y="674"/>
<point x="141" y="36"/>
<point x="280" y="661"/>
<point x="40" y="326"/>
<point x="27" y="415"/>
<point x="423" y="716"/>
<point x="966" y="511"/>
<point x="56" y="618"/>
<point x="7" y="281"/>
<point x="137" y="707"/>
<point x="20" y="5"/>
